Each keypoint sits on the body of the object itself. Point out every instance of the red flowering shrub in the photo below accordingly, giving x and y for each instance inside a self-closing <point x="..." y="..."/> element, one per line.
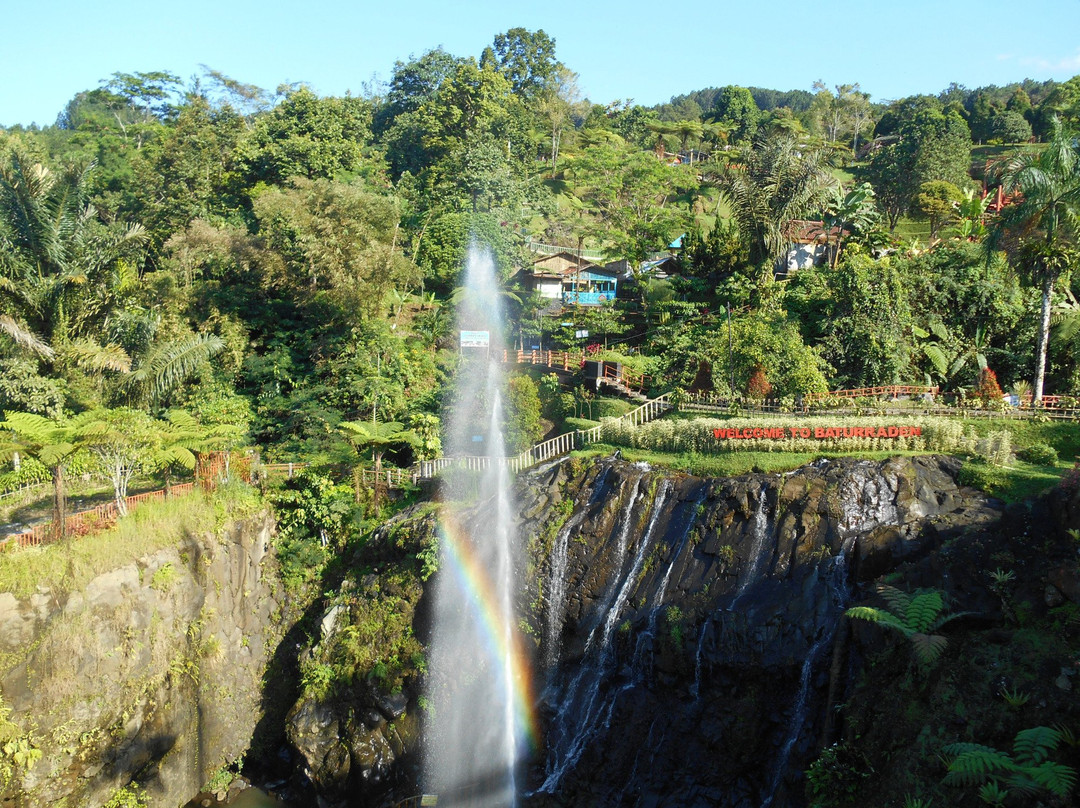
<point x="988" y="389"/>
<point x="758" y="388"/>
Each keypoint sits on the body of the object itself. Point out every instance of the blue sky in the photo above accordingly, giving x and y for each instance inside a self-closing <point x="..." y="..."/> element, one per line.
<point x="633" y="49"/>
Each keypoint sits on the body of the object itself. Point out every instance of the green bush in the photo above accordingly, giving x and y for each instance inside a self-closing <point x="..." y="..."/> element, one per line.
<point x="579" y="423"/>
<point x="610" y="408"/>
<point x="834" y="779"/>
<point x="1040" y="454"/>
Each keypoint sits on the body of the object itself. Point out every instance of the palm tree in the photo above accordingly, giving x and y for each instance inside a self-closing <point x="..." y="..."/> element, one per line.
<point x="778" y="181"/>
<point x="1044" y="223"/>
<point x="62" y="270"/>
<point x="379" y="437"/>
<point x="688" y="130"/>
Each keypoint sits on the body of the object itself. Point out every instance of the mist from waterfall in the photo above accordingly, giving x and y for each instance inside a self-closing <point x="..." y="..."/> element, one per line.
<point x="475" y="726"/>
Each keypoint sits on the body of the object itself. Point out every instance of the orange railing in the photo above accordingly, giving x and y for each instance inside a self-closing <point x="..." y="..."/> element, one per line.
<point x="553" y="359"/>
<point x="884" y="391"/>
<point x="630" y="379"/>
<point x="84" y="522"/>
<point x="567" y="360"/>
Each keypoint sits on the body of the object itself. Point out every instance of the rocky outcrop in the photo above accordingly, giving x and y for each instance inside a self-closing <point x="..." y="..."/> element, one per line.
<point x="357" y="730"/>
<point x="152" y="672"/>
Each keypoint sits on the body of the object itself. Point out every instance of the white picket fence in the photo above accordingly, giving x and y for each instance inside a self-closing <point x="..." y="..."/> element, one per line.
<point x="542" y="452"/>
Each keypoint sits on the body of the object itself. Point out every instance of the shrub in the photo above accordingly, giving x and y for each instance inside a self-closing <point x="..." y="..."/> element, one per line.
<point x="579" y="423"/>
<point x="987" y="389"/>
<point x="697" y="435"/>
<point x="758" y="388"/>
<point x="610" y="408"/>
<point x="1040" y="454"/>
<point x="834" y="779"/>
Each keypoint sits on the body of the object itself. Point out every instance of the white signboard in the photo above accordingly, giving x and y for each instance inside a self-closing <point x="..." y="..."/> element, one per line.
<point x="475" y="339"/>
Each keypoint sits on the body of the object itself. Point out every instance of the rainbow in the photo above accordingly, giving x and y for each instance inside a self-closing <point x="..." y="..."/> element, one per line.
<point x="469" y="572"/>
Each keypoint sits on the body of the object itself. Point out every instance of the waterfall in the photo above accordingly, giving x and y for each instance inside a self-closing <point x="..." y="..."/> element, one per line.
<point x="836" y="574"/>
<point x="758" y="546"/>
<point x="584" y="708"/>
<point x="647" y="639"/>
<point x="560" y="557"/>
<point x="480" y="713"/>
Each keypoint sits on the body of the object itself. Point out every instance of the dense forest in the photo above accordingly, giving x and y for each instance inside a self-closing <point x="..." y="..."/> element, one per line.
<point x="275" y="263"/>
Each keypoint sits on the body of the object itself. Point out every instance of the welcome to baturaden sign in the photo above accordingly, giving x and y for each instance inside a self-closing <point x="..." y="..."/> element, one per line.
<point x="817" y="433"/>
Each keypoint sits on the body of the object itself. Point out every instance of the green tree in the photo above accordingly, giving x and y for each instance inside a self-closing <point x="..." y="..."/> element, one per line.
<point x="931" y="145"/>
<point x="734" y="107"/>
<point x="527" y="59"/>
<point x="1044" y="223"/>
<point x="124" y="442"/>
<point x="937" y="201"/>
<point x="338" y="242"/>
<point x="633" y="195"/>
<point x="1010" y="127"/>
<point x="307" y="136"/>
<point x="412" y="84"/>
<point x="522" y="427"/>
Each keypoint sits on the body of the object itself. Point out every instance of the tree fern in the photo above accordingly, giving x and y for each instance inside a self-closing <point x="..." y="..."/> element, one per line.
<point x="928" y="648"/>
<point x="923" y="610"/>
<point x="1028" y="772"/>
<point x="879" y="616"/>
<point x="915" y="615"/>
<point x="1033" y="746"/>
<point x="974" y="764"/>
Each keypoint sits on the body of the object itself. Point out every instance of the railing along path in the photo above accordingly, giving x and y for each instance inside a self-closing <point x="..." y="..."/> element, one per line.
<point x="542" y="452"/>
<point x="567" y="360"/>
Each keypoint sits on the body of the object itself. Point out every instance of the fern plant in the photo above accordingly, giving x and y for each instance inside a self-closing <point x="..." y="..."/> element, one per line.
<point x="1028" y="772"/>
<point x="916" y="615"/>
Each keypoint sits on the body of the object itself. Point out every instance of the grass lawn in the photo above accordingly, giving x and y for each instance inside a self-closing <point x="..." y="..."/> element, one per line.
<point x="155" y="525"/>
<point x="35" y="505"/>
<point x="69" y="566"/>
<point x="910" y="229"/>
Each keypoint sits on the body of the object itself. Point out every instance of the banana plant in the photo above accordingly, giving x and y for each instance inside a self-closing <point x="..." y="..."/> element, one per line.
<point x="947" y="355"/>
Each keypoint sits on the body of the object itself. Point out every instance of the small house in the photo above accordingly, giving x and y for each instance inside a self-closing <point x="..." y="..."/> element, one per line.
<point x="590" y="286"/>
<point x="810" y="243"/>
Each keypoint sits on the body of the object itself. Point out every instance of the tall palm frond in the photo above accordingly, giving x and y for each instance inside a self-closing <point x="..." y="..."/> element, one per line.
<point x="89" y="355"/>
<point x="167" y="364"/>
<point x="24" y="337"/>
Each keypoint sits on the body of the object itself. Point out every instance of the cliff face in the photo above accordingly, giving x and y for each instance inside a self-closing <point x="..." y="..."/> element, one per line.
<point x="688" y="625"/>
<point x="153" y="671"/>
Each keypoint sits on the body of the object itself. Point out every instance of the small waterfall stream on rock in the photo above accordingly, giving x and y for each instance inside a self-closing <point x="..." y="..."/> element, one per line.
<point x="584" y="707"/>
<point x="477" y="673"/>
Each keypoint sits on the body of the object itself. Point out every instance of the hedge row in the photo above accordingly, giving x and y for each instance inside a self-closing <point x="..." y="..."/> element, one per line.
<point x="832" y="434"/>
